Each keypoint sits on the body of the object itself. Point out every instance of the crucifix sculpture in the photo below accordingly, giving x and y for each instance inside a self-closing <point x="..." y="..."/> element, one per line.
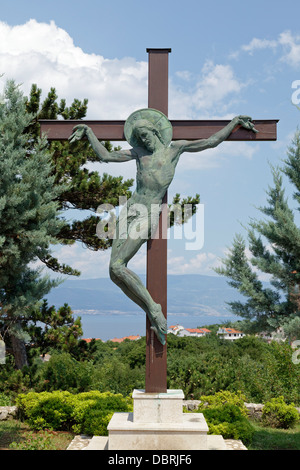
<point x="150" y="134"/>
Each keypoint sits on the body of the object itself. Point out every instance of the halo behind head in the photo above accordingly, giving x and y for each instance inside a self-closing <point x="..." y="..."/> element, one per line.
<point x="159" y="121"/>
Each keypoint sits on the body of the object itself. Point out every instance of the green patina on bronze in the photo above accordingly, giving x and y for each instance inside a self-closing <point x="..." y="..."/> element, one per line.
<point x="149" y="132"/>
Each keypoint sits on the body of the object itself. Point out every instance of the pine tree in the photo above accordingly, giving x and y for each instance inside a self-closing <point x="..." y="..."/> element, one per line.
<point x="84" y="190"/>
<point x="274" y="246"/>
<point x="52" y="328"/>
<point x="29" y="217"/>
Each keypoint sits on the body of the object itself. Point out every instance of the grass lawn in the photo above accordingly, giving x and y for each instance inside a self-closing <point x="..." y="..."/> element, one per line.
<point x="275" y="439"/>
<point x="14" y="431"/>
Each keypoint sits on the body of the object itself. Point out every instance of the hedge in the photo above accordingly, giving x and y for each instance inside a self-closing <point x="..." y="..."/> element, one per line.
<point x="226" y="414"/>
<point x="83" y="413"/>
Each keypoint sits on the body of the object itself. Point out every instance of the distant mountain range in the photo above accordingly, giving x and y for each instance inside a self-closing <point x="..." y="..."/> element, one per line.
<point x="188" y="296"/>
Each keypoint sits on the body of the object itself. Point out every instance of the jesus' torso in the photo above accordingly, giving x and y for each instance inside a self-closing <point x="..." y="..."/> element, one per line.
<point x="155" y="172"/>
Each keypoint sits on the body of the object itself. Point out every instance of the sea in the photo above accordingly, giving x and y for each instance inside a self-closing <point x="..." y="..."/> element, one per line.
<point x="106" y="327"/>
<point x="106" y="313"/>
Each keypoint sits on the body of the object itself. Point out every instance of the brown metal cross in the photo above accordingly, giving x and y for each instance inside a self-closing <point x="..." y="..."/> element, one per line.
<point x="156" y="353"/>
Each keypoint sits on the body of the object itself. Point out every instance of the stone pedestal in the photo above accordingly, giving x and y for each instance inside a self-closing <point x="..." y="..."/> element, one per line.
<point x="158" y="423"/>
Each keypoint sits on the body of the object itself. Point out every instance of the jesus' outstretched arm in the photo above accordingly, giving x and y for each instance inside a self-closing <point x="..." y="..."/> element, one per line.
<point x="217" y="138"/>
<point x="102" y="153"/>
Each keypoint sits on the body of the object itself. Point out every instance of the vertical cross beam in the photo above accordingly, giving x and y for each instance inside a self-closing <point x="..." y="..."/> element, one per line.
<point x="156" y="353"/>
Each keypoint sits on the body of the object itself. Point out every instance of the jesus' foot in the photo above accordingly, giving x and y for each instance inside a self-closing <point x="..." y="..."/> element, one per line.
<point x="158" y="323"/>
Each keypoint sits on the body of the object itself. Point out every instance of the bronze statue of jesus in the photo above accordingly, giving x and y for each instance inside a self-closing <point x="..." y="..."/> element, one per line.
<point x="149" y="132"/>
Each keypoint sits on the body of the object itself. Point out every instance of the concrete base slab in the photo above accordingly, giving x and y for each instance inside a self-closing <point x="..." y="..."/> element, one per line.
<point x="216" y="443"/>
<point x="97" y="443"/>
<point x="213" y="443"/>
<point x="125" y="433"/>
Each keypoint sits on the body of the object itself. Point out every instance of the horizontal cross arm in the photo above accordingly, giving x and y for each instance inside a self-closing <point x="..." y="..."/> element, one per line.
<point x="182" y="130"/>
<point x="193" y="130"/>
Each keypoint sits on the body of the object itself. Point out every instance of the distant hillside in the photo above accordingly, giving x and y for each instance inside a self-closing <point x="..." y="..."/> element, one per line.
<point x="188" y="295"/>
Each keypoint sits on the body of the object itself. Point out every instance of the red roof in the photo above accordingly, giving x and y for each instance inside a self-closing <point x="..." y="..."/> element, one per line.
<point x="231" y="330"/>
<point x="120" y="340"/>
<point x="197" y="330"/>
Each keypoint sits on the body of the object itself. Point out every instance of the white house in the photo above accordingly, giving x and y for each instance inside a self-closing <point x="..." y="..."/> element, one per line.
<point x="198" y="332"/>
<point x="230" y="333"/>
<point x="174" y="329"/>
<point x="277" y="335"/>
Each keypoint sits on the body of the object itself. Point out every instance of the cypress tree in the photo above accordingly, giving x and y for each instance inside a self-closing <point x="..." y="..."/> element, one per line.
<point x="29" y="217"/>
<point x="84" y="189"/>
<point x="274" y="247"/>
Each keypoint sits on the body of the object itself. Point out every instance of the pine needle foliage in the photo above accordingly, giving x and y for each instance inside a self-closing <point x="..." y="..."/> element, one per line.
<point x="274" y="247"/>
<point x="29" y="212"/>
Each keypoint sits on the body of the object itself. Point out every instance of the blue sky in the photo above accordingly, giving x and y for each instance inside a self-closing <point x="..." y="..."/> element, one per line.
<point x="228" y="58"/>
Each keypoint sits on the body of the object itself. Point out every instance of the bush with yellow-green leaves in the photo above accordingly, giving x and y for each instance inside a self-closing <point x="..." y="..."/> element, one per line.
<point x="83" y="413"/>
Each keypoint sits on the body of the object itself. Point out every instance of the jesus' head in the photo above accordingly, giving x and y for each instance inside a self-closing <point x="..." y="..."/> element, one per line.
<point x="147" y="134"/>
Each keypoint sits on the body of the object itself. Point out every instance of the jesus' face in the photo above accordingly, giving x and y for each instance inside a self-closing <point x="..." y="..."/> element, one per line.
<point x="147" y="138"/>
<point x="147" y="135"/>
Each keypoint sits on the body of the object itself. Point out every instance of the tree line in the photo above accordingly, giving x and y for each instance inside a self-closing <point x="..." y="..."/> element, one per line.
<point x="198" y="366"/>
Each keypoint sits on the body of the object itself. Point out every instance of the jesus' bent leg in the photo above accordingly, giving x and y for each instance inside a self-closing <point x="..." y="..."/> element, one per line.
<point x="132" y="286"/>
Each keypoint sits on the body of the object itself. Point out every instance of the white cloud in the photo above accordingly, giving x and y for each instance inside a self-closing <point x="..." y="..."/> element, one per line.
<point x="259" y="44"/>
<point x="91" y="264"/>
<point x="184" y="75"/>
<point x="218" y="82"/>
<point x="214" y="93"/>
<point x="46" y="55"/>
<point x="202" y="263"/>
<point x="291" y="45"/>
<point x="287" y="44"/>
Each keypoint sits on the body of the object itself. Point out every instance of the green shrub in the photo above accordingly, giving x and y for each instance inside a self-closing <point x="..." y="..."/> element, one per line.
<point x="277" y="414"/>
<point x="63" y="372"/>
<point x="87" y="413"/>
<point x="4" y="400"/>
<point x="225" y="413"/>
<point x="46" y="410"/>
<point x="93" y="411"/>
<point x="229" y="421"/>
<point x="117" y="377"/>
<point x="224" y="397"/>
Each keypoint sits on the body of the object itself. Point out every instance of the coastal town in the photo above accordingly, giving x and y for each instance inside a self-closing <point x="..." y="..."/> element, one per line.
<point x="226" y="333"/>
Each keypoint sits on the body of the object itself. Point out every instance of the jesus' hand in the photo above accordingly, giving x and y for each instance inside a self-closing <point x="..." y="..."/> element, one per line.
<point x="247" y="123"/>
<point x="78" y="132"/>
